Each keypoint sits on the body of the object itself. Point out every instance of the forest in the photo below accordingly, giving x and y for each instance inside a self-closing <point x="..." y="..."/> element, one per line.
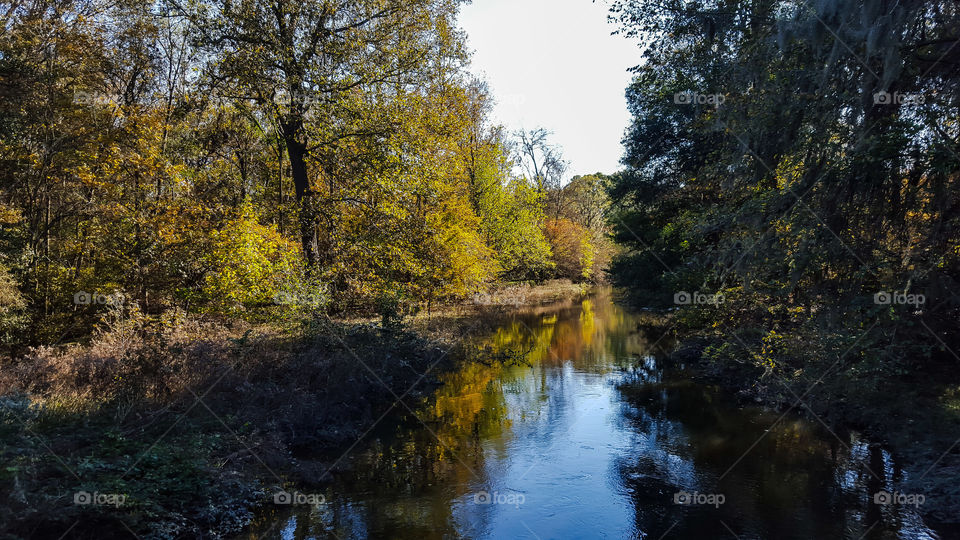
<point x="216" y="157"/>
<point x="201" y="199"/>
<point x="802" y="165"/>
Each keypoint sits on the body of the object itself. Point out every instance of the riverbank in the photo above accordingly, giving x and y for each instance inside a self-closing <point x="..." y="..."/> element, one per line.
<point x="182" y="427"/>
<point x="915" y="415"/>
<point x="190" y="428"/>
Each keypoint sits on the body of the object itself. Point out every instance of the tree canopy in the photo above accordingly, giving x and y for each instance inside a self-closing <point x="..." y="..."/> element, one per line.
<point x="800" y="159"/>
<point x="206" y="155"/>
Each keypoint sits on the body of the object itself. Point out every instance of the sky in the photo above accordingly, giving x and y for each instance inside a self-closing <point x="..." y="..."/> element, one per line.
<point x="554" y="64"/>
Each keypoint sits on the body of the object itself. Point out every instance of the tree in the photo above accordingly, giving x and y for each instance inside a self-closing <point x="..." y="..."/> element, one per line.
<point x="510" y="208"/>
<point x="573" y="252"/>
<point x="249" y="263"/>
<point x="541" y="161"/>
<point x="311" y="66"/>
<point x="766" y="168"/>
<point x="588" y="205"/>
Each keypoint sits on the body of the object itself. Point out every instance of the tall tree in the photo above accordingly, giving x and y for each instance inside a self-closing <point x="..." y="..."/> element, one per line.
<point x="308" y="63"/>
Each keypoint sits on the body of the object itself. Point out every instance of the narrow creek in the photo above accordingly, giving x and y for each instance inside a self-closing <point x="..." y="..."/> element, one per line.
<point x="595" y="435"/>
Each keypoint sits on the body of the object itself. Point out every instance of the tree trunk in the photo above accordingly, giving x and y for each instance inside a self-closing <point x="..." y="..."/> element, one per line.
<point x="296" y="151"/>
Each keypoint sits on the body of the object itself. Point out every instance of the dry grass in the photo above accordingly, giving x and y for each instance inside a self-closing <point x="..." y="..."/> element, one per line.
<point x="128" y="401"/>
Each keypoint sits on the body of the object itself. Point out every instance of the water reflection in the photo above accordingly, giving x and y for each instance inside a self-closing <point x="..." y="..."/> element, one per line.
<point x="593" y="437"/>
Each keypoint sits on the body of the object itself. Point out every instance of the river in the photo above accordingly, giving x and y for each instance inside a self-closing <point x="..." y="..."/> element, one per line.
<point x="591" y="433"/>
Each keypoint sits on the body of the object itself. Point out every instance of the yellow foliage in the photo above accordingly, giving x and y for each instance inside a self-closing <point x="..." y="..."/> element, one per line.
<point x="250" y="262"/>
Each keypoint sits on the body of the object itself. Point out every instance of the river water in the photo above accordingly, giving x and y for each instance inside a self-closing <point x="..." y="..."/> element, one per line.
<point x="592" y="434"/>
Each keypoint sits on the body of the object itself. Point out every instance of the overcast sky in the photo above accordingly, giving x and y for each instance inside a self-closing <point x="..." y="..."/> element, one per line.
<point x="554" y="64"/>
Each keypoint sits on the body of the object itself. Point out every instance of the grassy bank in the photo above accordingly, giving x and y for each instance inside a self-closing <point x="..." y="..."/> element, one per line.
<point x="181" y="427"/>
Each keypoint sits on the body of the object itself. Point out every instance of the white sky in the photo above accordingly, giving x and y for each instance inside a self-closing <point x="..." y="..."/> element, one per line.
<point x="554" y="64"/>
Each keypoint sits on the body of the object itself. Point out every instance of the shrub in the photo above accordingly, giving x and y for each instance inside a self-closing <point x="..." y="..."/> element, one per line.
<point x="249" y="264"/>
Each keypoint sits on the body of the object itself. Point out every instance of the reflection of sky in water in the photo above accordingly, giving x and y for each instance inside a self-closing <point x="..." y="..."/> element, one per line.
<point x="597" y="437"/>
<point x="560" y="444"/>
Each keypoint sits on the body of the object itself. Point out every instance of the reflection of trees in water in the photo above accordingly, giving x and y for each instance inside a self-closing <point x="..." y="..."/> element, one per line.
<point x="415" y="482"/>
<point x="418" y="483"/>
<point x="794" y="480"/>
<point x="419" y="473"/>
<point x="594" y="335"/>
<point x="469" y="415"/>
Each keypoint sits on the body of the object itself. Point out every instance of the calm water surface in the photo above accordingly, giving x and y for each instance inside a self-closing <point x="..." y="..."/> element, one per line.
<point x="594" y="436"/>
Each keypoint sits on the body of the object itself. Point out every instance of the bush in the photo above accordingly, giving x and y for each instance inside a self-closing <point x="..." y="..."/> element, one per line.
<point x="249" y="264"/>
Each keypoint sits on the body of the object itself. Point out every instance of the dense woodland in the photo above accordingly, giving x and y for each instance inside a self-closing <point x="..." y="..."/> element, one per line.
<point x="218" y="156"/>
<point x="801" y="160"/>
